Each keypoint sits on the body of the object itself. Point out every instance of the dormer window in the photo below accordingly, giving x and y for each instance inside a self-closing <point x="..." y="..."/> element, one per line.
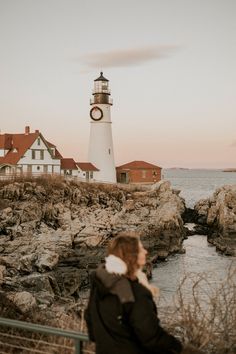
<point x="38" y="141"/>
<point x="15" y="150"/>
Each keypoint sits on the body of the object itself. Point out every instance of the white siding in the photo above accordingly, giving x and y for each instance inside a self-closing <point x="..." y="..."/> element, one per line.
<point x="40" y="164"/>
<point x="101" y="147"/>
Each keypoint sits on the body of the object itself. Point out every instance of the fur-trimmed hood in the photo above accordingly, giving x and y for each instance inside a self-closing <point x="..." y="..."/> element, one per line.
<point x="111" y="280"/>
<point x="116" y="265"/>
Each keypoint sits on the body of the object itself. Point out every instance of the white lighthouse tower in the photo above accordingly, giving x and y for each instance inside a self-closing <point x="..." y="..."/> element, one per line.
<point x="100" y="143"/>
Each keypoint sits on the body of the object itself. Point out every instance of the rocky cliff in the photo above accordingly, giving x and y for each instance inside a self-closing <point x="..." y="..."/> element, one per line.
<point x="53" y="231"/>
<point x="219" y="214"/>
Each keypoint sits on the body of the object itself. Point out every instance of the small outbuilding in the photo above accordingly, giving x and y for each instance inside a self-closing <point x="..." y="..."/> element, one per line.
<point x="83" y="170"/>
<point x="138" y="172"/>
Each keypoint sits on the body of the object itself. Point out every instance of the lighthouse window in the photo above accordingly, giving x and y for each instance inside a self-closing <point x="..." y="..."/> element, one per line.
<point x="109" y="151"/>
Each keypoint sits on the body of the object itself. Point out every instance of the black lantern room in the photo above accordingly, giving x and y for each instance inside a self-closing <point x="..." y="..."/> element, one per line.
<point x="101" y="92"/>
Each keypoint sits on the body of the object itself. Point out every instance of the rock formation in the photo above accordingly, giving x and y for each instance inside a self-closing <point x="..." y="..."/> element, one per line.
<point x="219" y="214"/>
<point x="54" y="231"/>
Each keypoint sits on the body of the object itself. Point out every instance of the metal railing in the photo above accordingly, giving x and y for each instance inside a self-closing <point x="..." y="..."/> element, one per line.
<point x="16" y="342"/>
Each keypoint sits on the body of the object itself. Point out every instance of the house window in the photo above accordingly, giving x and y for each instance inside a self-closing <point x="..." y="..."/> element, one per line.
<point x="33" y="154"/>
<point x="38" y="168"/>
<point x="41" y="154"/>
<point x="154" y="173"/>
<point x="38" y="141"/>
<point x="91" y="174"/>
<point x="109" y="151"/>
<point x="143" y="174"/>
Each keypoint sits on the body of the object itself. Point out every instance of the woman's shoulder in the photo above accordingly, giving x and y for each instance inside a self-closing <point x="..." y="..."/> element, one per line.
<point x="140" y="290"/>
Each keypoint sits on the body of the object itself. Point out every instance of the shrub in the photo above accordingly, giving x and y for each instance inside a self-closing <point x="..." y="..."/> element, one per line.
<point x="204" y="313"/>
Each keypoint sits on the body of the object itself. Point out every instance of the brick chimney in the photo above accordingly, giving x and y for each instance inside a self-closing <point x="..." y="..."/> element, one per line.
<point x="27" y="130"/>
<point x="36" y="131"/>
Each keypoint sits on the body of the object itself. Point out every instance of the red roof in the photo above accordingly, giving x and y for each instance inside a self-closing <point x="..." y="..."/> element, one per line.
<point x="17" y="144"/>
<point x="87" y="166"/>
<point x="137" y="165"/>
<point x="68" y="164"/>
<point x="57" y="154"/>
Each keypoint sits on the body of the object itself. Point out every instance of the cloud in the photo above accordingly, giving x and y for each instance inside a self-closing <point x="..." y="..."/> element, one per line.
<point x="126" y="57"/>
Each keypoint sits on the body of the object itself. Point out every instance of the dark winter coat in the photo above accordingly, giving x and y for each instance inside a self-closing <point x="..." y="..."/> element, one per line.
<point x="122" y="318"/>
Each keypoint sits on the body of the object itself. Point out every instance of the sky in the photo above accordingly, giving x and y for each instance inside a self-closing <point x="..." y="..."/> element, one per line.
<point x="171" y="66"/>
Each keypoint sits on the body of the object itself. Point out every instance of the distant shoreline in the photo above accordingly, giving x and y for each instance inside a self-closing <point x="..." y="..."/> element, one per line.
<point x="200" y="169"/>
<point x="230" y="170"/>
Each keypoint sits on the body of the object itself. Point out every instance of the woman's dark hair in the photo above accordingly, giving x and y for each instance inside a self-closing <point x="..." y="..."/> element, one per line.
<point x="126" y="247"/>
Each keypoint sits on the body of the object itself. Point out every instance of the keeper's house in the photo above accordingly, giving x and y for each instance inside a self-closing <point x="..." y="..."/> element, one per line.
<point x="31" y="153"/>
<point x="28" y="153"/>
<point x="138" y="172"/>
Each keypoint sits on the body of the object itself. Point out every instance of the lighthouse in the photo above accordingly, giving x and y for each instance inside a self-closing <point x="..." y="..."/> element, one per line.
<point x="101" y="152"/>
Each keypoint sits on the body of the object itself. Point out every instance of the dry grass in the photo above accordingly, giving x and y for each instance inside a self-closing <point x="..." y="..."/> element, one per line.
<point x="21" y="341"/>
<point x="205" y="314"/>
<point x="52" y="182"/>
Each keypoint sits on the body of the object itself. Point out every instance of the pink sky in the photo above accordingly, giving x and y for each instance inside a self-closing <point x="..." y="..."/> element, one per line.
<point x="171" y="67"/>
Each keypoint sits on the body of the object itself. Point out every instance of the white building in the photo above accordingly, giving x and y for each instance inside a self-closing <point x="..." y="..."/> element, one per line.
<point x="28" y="153"/>
<point x="84" y="171"/>
<point x="31" y="153"/>
<point x="101" y="152"/>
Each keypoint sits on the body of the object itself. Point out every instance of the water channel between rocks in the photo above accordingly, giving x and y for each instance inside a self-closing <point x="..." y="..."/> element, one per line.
<point x="200" y="257"/>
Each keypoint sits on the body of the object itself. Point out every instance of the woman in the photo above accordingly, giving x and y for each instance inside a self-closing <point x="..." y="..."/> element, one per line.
<point x="121" y="314"/>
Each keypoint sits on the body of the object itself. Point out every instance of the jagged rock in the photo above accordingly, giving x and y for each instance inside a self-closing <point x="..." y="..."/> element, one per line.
<point x="2" y="273"/>
<point x="219" y="213"/>
<point x="46" y="260"/>
<point x="52" y="233"/>
<point x="70" y="280"/>
<point x="37" y="283"/>
<point x="23" y="300"/>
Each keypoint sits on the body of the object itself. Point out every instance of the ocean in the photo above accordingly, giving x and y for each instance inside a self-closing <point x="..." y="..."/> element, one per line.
<point x="200" y="256"/>
<point x="197" y="184"/>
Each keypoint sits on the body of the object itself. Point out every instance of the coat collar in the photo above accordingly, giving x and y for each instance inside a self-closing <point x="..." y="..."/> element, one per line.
<point x="115" y="284"/>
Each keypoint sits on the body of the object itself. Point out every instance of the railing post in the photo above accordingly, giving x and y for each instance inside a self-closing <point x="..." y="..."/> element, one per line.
<point x="78" y="346"/>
